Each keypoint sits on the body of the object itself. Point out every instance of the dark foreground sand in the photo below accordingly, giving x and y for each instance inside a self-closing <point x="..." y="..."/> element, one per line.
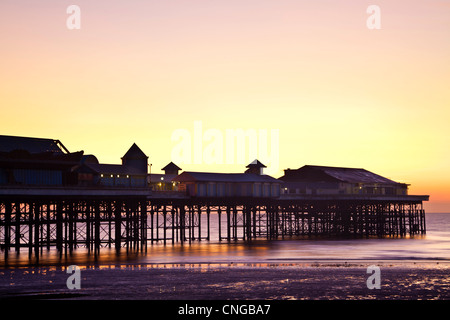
<point x="218" y="282"/>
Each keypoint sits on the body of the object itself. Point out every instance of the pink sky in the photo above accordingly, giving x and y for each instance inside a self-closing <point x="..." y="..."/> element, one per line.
<point x="339" y="93"/>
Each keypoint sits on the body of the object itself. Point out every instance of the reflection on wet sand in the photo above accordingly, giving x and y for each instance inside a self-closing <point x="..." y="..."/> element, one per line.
<point x="434" y="247"/>
<point x="226" y="281"/>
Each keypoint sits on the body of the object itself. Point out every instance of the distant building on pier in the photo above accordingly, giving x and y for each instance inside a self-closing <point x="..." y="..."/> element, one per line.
<point x="131" y="173"/>
<point x="28" y="161"/>
<point x="34" y="162"/>
<point x="249" y="184"/>
<point x="321" y="180"/>
<point x="164" y="181"/>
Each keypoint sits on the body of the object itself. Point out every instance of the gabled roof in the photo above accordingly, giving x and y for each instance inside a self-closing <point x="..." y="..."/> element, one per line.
<point x="340" y="174"/>
<point x="27" y="151"/>
<point x="171" y="167"/>
<point x="189" y="176"/>
<point x="134" y="153"/>
<point x="31" y="145"/>
<point x="356" y="175"/>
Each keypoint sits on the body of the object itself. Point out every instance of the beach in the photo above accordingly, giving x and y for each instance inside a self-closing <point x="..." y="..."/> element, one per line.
<point x="321" y="269"/>
<point x="332" y="280"/>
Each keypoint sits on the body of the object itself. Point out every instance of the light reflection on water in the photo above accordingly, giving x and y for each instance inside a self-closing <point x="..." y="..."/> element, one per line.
<point x="434" y="246"/>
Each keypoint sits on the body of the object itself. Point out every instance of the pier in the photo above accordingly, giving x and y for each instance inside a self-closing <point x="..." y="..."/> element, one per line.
<point x="51" y="198"/>
<point x="66" y="219"/>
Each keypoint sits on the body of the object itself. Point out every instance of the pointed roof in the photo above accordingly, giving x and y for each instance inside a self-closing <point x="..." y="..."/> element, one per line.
<point x="255" y="164"/>
<point x="171" y="166"/>
<point x="134" y="153"/>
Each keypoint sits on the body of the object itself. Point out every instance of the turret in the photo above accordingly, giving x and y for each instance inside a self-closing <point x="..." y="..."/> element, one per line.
<point x="135" y="158"/>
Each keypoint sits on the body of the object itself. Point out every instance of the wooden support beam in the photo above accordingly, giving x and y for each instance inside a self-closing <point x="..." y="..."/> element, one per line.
<point x="118" y="225"/>
<point x="37" y="227"/>
<point x="7" y="228"/>
<point x="96" y="228"/>
<point x="17" y="224"/>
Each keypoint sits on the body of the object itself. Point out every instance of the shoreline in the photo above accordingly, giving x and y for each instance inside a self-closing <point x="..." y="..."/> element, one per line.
<point x="324" y="262"/>
<point x="313" y="281"/>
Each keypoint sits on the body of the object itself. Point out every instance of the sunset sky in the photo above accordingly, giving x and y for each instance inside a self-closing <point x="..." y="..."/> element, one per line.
<point x="338" y="93"/>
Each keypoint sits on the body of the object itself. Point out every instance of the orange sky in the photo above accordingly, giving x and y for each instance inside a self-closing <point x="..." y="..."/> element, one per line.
<point x="338" y="93"/>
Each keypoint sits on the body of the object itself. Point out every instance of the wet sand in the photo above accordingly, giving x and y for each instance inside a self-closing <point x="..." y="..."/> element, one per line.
<point x="278" y="281"/>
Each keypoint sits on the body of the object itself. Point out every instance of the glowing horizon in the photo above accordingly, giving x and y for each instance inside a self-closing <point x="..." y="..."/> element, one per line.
<point x="339" y="93"/>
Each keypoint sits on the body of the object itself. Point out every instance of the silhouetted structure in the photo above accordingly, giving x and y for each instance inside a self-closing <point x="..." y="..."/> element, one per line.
<point x="131" y="173"/>
<point x="36" y="162"/>
<point x="164" y="182"/>
<point x="171" y="168"/>
<point x="255" y="167"/>
<point x="317" y="180"/>
<point x="50" y="197"/>
<point x="249" y="184"/>
<point x="135" y="158"/>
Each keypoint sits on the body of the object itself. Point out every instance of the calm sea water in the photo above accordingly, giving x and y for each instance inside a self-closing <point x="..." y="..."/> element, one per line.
<point x="435" y="245"/>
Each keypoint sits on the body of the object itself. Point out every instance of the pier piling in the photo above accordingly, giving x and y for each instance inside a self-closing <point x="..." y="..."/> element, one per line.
<point x="67" y="223"/>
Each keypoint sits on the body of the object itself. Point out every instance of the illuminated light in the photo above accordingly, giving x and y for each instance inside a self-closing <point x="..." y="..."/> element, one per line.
<point x="128" y="176"/>
<point x="162" y="178"/>
<point x="112" y="176"/>
<point x="117" y="176"/>
<point x="101" y="175"/>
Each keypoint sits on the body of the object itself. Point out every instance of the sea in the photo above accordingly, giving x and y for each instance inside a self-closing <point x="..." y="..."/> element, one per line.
<point x="434" y="246"/>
